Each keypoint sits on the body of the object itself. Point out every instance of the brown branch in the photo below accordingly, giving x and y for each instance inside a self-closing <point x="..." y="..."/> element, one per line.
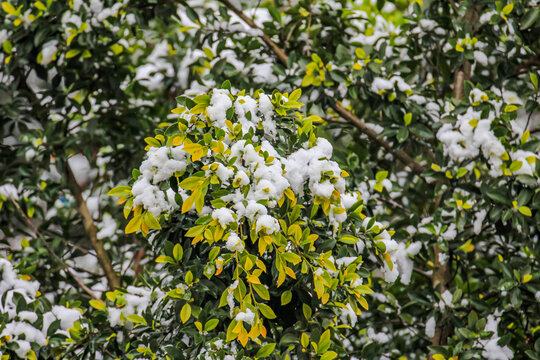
<point x="272" y="45"/>
<point x="360" y="125"/>
<point x="52" y="253"/>
<point x="342" y="111"/>
<point x="527" y="64"/>
<point x="423" y="273"/>
<point x="90" y="228"/>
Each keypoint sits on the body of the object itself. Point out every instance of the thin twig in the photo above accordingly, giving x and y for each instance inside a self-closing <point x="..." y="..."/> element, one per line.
<point x="68" y="269"/>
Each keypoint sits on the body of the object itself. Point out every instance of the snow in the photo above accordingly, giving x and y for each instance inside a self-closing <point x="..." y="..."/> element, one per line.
<point x="224" y="216"/>
<point x="348" y="316"/>
<point x="9" y="191"/>
<point x="220" y="102"/>
<point x="430" y="327"/>
<point x="234" y="243"/>
<point x="268" y="223"/>
<point x="248" y="316"/>
<point x="379" y="337"/>
<point x="492" y="350"/>
<point x="48" y="52"/>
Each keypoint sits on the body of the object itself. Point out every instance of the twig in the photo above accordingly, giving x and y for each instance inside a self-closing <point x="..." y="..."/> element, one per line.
<point x="423" y="273"/>
<point x="342" y="111"/>
<point x="53" y="254"/>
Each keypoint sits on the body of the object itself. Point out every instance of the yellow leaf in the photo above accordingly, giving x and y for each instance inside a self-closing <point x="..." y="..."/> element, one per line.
<point x="134" y="225"/>
<point x="188" y="203"/>
<point x="527" y="278"/>
<point x="438" y="357"/>
<point x="9" y="8"/>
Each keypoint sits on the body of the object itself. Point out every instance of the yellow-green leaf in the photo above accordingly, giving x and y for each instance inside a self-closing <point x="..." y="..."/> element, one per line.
<point x="151" y="221"/>
<point x="266" y="311"/>
<point x="120" y="191"/>
<point x="266" y="350"/>
<point x="71" y="53"/>
<point x="185" y="314"/>
<point x="8" y="48"/>
<point x="97" y="304"/>
<point x="508" y="9"/>
<point x="525" y="210"/>
<point x="178" y="252"/>
<point x="134" y="225"/>
<point x="286" y="297"/>
<point x="136" y="319"/>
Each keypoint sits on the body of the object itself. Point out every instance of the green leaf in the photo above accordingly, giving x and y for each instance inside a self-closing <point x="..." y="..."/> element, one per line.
<point x="515" y="166"/>
<point x="266" y="311"/>
<point x="466" y="333"/>
<point x="329" y="355"/>
<point x="402" y="134"/>
<point x="211" y="324"/>
<point x="262" y="291"/>
<point x="529" y="18"/>
<point x="306" y="309"/>
<point x="226" y="85"/>
<point x="266" y="350"/>
<point x="286" y="297"/>
<point x="165" y="259"/>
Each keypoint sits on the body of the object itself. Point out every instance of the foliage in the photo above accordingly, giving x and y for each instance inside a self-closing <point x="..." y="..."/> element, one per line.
<point x="431" y="107"/>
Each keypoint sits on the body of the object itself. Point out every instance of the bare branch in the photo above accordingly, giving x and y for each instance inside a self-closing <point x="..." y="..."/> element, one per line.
<point x="68" y="269"/>
<point x="90" y="227"/>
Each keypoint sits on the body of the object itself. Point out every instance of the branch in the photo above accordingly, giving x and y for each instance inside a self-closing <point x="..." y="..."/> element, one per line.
<point x="53" y="254"/>
<point x="527" y="64"/>
<point x="272" y="45"/>
<point x="343" y="112"/>
<point x="90" y="227"/>
<point x="360" y="125"/>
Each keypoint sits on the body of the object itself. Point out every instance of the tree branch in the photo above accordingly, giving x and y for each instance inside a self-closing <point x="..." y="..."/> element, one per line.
<point x="272" y="45"/>
<point x="90" y="227"/>
<point x="52" y="253"/>
<point x="342" y="111"/>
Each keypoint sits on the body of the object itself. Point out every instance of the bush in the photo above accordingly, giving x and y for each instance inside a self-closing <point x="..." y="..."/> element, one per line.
<point x="338" y="179"/>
